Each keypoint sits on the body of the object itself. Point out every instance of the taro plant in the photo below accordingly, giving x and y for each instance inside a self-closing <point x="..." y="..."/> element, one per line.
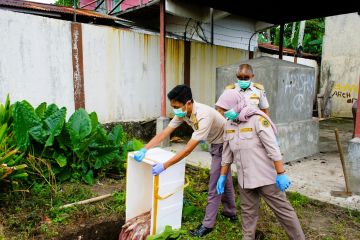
<point x="78" y="149"/>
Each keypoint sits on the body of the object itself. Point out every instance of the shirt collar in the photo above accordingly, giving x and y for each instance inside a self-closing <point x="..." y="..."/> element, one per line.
<point x="194" y="110"/>
<point x="251" y="87"/>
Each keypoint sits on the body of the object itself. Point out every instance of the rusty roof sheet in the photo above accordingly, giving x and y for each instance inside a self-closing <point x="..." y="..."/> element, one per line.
<point x="287" y="51"/>
<point x="43" y="7"/>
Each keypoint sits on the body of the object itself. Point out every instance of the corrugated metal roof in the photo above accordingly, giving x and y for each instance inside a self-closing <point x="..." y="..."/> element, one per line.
<point x="270" y="48"/>
<point x="42" y="7"/>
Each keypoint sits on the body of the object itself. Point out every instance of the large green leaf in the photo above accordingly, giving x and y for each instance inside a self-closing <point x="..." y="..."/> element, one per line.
<point x="104" y="158"/>
<point x="89" y="177"/>
<point x="51" y="109"/>
<point x="94" y="121"/>
<point x="116" y="136"/>
<point x="79" y="126"/>
<point x="134" y="145"/>
<point x="2" y="114"/>
<point x="25" y="118"/>
<point x="64" y="140"/>
<point x="39" y="133"/>
<point x="61" y="160"/>
<point x="3" y="130"/>
<point x="40" y="110"/>
<point x="8" y="109"/>
<point x="55" y="123"/>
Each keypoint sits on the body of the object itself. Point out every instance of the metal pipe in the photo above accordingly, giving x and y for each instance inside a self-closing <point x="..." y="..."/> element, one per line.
<point x="88" y="4"/>
<point x="113" y="9"/>
<point x="212" y="25"/>
<point x="162" y="59"/>
<point x="74" y="10"/>
<point x="281" y="40"/>
<point x="101" y="2"/>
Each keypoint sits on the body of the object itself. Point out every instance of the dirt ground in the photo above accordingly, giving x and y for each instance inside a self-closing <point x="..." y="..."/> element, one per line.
<point x="318" y="175"/>
<point x="313" y="176"/>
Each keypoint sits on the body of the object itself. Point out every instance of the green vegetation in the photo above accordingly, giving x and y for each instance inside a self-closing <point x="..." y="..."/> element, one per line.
<point x="36" y="214"/>
<point x="313" y="35"/>
<point x="67" y="3"/>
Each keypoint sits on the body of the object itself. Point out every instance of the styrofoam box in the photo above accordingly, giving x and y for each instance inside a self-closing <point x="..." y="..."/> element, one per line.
<point x="140" y="194"/>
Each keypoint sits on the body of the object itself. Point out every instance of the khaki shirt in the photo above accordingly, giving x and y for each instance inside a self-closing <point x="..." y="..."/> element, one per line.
<point x="252" y="146"/>
<point x="207" y="123"/>
<point x="254" y="97"/>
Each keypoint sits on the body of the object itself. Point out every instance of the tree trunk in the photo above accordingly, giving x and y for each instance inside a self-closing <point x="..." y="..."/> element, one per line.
<point x="301" y="33"/>
<point x="293" y="31"/>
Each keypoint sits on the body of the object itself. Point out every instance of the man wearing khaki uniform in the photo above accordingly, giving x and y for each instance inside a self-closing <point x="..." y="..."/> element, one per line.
<point x="208" y="125"/>
<point x="249" y="142"/>
<point x="254" y="93"/>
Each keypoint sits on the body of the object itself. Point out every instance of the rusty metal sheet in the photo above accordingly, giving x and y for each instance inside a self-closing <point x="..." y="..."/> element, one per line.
<point x="53" y="8"/>
<point x="78" y="67"/>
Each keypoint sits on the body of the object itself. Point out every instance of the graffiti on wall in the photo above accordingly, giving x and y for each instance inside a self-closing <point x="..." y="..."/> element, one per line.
<point x="300" y="86"/>
<point x="347" y="92"/>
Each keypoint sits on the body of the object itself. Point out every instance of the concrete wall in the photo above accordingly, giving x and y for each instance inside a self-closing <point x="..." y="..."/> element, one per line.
<point x="121" y="67"/>
<point x="341" y="61"/>
<point x="35" y="59"/>
<point x="204" y="61"/>
<point x="303" y="61"/>
<point x="290" y="89"/>
<point x="120" y="72"/>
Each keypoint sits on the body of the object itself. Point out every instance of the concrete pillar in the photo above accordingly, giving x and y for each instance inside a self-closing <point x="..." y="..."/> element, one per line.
<point x="161" y="124"/>
<point x="353" y="165"/>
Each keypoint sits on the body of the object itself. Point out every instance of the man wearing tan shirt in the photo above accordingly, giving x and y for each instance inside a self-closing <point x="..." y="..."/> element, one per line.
<point x="208" y="125"/>
<point x="250" y="143"/>
<point x="254" y="93"/>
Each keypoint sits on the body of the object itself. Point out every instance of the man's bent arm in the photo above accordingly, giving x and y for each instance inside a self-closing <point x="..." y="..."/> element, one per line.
<point x="183" y="153"/>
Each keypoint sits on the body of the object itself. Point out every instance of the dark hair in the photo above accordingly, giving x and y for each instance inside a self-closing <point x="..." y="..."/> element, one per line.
<point x="180" y="93"/>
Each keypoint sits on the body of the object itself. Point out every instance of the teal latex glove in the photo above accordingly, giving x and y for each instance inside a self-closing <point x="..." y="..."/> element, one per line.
<point x="283" y="182"/>
<point x="139" y="156"/>
<point x="220" y="185"/>
<point x="157" y="168"/>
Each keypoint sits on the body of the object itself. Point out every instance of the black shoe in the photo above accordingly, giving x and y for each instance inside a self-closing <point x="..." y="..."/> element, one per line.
<point x="200" y="231"/>
<point x="233" y="218"/>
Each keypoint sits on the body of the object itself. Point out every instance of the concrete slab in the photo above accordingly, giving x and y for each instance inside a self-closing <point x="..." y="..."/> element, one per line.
<point x="298" y="139"/>
<point x="290" y="89"/>
<point x="353" y="164"/>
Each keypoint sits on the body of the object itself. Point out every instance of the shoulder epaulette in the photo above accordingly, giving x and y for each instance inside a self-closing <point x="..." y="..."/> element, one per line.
<point x="259" y="86"/>
<point x="230" y="86"/>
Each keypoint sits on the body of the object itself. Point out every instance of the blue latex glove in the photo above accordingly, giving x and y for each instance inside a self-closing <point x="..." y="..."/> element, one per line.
<point x="220" y="185"/>
<point x="139" y="156"/>
<point x="157" y="168"/>
<point x="283" y="182"/>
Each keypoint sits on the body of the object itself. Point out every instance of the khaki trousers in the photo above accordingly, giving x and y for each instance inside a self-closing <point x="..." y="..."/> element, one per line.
<point x="277" y="201"/>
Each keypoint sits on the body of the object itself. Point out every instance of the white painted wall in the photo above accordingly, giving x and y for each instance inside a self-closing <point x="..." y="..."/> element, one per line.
<point x="121" y="67"/>
<point x="35" y="59"/>
<point x="341" y="61"/>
